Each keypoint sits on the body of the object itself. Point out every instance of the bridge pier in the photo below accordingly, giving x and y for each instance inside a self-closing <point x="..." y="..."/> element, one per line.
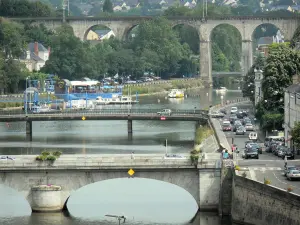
<point x="28" y="130"/>
<point x="129" y="127"/>
<point x="46" y="198"/>
<point x="205" y="61"/>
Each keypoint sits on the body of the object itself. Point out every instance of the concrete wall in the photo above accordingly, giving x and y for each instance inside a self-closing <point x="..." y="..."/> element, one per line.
<point x="209" y="190"/>
<point x="256" y="203"/>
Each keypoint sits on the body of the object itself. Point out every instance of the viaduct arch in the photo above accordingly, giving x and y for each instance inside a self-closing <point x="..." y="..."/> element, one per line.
<point x="245" y="25"/>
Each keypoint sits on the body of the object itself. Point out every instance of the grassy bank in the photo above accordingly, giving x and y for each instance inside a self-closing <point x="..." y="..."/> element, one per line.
<point x="4" y="105"/>
<point x="202" y="133"/>
<point x="158" y="88"/>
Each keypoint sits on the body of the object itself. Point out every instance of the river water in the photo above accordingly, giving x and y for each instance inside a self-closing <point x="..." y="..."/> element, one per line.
<point x="143" y="201"/>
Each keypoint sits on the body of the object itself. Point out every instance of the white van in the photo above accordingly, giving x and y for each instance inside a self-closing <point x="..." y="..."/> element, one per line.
<point x="233" y="110"/>
<point x="253" y="136"/>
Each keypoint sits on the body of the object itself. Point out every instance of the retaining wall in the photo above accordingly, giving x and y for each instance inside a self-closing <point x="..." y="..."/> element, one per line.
<point x="256" y="203"/>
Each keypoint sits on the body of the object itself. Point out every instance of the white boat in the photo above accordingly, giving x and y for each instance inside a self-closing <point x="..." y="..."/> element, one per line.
<point x="103" y="101"/>
<point x="176" y="93"/>
<point x="222" y="90"/>
<point x="122" y="100"/>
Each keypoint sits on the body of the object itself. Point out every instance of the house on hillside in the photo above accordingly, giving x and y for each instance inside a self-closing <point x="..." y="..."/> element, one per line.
<point x="282" y="7"/>
<point x="35" y="56"/>
<point x="264" y="42"/>
<point x="99" y="35"/>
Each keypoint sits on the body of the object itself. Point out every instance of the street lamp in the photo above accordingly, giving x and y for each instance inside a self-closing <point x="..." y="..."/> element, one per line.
<point x="222" y="103"/>
<point x="26" y="95"/>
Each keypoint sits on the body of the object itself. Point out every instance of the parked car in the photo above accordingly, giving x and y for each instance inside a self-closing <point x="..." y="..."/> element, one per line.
<point x="251" y="153"/>
<point x="288" y="153"/>
<point x="217" y="114"/>
<point x="223" y="110"/>
<point x="249" y="127"/>
<point x="288" y="168"/>
<point x="240" y="130"/>
<point x="293" y="175"/>
<point x="234" y="110"/>
<point x="165" y="112"/>
<point x="255" y="145"/>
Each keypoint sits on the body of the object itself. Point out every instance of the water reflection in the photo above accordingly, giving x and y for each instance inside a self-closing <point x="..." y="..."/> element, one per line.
<point x="139" y="199"/>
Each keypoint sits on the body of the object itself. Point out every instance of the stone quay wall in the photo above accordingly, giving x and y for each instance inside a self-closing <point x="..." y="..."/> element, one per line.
<point x="260" y="204"/>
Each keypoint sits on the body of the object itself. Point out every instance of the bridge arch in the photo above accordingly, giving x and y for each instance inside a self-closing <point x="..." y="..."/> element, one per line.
<point x="114" y="190"/>
<point x="91" y="33"/>
<point x="226" y="48"/>
<point x="187" y="179"/>
<point x="128" y="31"/>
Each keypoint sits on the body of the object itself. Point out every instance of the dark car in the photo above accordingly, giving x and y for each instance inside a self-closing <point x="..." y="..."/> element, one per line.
<point x="255" y="145"/>
<point x="247" y="142"/>
<point x="288" y="153"/>
<point x="236" y="125"/>
<point x="223" y="111"/>
<point x="232" y="118"/>
<point x="246" y="120"/>
<point x="251" y="153"/>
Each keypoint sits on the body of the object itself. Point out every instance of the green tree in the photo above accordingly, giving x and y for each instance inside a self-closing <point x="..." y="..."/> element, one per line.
<point x="272" y="121"/>
<point x="38" y="33"/>
<point x="296" y="37"/>
<point x="107" y="6"/>
<point x="70" y="57"/>
<point x="12" y="40"/>
<point x="295" y="132"/>
<point x="282" y="63"/>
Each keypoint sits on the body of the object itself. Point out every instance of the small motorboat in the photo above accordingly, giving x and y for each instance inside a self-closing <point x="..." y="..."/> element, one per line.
<point x="176" y="93"/>
<point x="222" y="90"/>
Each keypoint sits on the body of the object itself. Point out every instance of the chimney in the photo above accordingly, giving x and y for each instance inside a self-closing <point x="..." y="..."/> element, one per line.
<point x="49" y="50"/>
<point x="36" y="48"/>
<point x="27" y="54"/>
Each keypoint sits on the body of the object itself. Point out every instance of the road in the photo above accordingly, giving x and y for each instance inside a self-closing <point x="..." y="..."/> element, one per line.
<point x="268" y="166"/>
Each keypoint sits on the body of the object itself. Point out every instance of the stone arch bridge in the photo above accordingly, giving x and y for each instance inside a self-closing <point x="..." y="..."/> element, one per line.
<point x="26" y="175"/>
<point x="121" y="26"/>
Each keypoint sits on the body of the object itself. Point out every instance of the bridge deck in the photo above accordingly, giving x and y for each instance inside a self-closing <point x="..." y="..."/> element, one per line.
<point x="100" y="162"/>
<point x="180" y="115"/>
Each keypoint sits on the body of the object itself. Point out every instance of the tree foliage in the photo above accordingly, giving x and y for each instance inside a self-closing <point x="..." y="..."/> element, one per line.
<point x="295" y="132"/>
<point x="108" y="6"/>
<point x="24" y="8"/>
<point x="272" y="121"/>
<point x="282" y="63"/>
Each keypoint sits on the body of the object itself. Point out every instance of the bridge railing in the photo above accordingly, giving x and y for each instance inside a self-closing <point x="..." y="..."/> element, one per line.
<point x="106" y="111"/>
<point x="98" y="163"/>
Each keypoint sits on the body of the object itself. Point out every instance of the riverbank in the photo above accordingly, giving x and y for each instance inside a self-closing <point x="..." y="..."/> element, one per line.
<point x="162" y="88"/>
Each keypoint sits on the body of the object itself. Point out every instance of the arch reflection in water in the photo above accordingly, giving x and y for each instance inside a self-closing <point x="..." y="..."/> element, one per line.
<point x="138" y="199"/>
<point x="12" y="203"/>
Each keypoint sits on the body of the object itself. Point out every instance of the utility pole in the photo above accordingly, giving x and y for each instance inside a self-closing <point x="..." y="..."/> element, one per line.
<point x="203" y="6"/>
<point x="206" y="7"/>
<point x="65" y="4"/>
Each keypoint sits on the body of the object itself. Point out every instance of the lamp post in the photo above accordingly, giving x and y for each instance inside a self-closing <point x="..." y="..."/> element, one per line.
<point x="222" y="102"/>
<point x="26" y="95"/>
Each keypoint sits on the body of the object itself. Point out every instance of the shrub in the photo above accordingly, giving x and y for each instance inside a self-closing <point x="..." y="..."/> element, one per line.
<point x="237" y="168"/>
<point x="244" y="175"/>
<point x="57" y="153"/>
<point x="267" y="181"/>
<point x="51" y="158"/>
<point x="194" y="158"/>
<point x="45" y="153"/>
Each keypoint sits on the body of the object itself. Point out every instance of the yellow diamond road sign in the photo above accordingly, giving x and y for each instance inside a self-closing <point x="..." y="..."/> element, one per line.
<point x="83" y="118"/>
<point x="131" y="172"/>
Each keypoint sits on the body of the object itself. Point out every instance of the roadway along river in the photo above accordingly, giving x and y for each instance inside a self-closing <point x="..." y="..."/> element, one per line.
<point x="142" y="201"/>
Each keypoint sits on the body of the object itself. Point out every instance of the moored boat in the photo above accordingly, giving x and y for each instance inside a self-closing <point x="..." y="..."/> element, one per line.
<point x="176" y="93"/>
<point x="221" y="90"/>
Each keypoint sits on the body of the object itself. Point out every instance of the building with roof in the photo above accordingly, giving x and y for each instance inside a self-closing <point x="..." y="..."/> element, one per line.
<point x="264" y="42"/>
<point x="35" y="56"/>
<point x="291" y="109"/>
<point x="99" y="35"/>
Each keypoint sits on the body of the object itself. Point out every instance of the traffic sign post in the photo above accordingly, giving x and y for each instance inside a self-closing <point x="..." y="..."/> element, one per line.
<point x="166" y="147"/>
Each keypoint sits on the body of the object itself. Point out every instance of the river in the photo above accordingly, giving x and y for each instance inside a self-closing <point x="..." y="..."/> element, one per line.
<point x="143" y="201"/>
